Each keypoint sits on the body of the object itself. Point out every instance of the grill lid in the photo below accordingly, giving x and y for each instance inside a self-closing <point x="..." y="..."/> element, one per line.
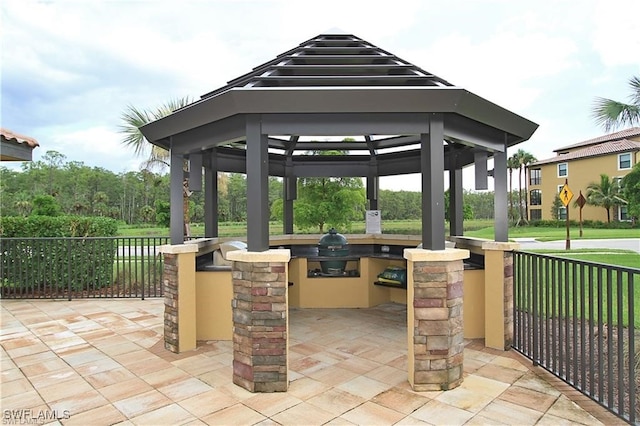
<point x="332" y="240"/>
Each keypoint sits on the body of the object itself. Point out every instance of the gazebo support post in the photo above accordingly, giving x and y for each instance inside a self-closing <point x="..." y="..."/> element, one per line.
<point x="432" y="169"/>
<point x="456" y="210"/>
<point x="290" y="194"/>
<point x="372" y="192"/>
<point x="257" y="185"/>
<point x="176" y="194"/>
<point x="501" y="231"/>
<point x="211" y="196"/>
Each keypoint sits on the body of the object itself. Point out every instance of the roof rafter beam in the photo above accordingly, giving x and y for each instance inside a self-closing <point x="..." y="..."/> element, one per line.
<point x="329" y="124"/>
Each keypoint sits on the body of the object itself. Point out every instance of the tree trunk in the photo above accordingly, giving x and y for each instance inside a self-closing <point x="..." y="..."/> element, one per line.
<point x="510" y="192"/>
<point x="520" y="195"/>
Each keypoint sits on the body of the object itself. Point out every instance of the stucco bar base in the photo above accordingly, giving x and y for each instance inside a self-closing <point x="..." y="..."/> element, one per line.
<point x="260" y="320"/>
<point x="435" y="332"/>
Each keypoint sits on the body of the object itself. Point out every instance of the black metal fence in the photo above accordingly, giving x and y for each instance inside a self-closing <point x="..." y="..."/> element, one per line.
<point x="81" y="267"/>
<point x="581" y="321"/>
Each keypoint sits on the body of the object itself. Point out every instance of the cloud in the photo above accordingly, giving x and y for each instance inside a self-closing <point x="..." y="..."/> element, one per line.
<point x="615" y="34"/>
<point x="505" y="68"/>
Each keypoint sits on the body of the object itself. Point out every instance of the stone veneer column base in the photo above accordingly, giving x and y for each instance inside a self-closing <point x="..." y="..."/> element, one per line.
<point x="434" y="310"/>
<point x="260" y="320"/>
<point x="170" y="290"/>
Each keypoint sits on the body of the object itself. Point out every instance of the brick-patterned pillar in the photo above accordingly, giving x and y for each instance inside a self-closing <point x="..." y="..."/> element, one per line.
<point x="434" y="318"/>
<point x="178" y="281"/>
<point x="508" y="300"/>
<point x="170" y="290"/>
<point x="260" y="320"/>
<point x="498" y="273"/>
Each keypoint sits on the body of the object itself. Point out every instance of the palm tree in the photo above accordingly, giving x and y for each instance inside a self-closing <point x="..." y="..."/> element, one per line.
<point x="518" y="158"/>
<point x="604" y="194"/>
<point x="611" y="114"/>
<point x="526" y="158"/>
<point x="512" y="164"/>
<point x="134" y="118"/>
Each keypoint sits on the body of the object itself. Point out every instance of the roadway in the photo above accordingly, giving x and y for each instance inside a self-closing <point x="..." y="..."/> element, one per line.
<point x="623" y="243"/>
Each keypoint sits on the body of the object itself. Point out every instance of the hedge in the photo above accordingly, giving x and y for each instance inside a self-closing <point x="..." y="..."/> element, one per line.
<point x="42" y="254"/>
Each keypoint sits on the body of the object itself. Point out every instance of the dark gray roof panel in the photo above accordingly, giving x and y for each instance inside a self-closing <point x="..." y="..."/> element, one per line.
<point x="334" y="60"/>
<point x="339" y="84"/>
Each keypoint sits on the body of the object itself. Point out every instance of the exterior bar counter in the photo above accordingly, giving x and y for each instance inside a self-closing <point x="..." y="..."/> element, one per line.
<point x="209" y="314"/>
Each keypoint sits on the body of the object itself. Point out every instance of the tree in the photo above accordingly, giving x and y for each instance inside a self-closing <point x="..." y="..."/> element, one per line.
<point x="134" y="118"/>
<point x="45" y="205"/>
<point x="333" y="201"/>
<point x="512" y="163"/>
<point x="526" y="159"/>
<point x="611" y="114"/>
<point x="631" y="191"/>
<point x="522" y="158"/>
<point x="556" y="206"/>
<point x="605" y="194"/>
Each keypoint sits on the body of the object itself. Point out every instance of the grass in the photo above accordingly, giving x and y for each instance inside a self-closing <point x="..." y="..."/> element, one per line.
<point x="555" y="234"/>
<point x="625" y="258"/>
<point x="576" y="290"/>
<point x="480" y="228"/>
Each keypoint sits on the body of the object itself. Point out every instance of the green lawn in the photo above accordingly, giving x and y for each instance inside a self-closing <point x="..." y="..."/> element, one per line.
<point x="554" y="234"/>
<point x="626" y="258"/>
<point x="479" y="228"/>
<point x="584" y="288"/>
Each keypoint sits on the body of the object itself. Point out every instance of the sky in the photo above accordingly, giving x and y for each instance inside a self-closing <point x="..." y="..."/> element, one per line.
<point x="69" y="68"/>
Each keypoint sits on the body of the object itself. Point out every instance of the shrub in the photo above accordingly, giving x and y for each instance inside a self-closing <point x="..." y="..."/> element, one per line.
<point x="39" y="253"/>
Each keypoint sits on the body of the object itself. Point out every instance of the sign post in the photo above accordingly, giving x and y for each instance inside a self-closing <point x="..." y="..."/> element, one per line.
<point x="581" y="201"/>
<point x="565" y="196"/>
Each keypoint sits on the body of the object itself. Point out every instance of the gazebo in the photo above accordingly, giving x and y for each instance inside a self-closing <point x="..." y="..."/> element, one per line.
<point x="401" y="119"/>
<point x="404" y="120"/>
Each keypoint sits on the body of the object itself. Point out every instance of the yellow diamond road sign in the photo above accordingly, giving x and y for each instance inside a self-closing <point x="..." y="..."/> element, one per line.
<point x="565" y="195"/>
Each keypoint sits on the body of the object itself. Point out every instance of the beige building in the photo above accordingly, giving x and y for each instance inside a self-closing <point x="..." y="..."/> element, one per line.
<point x="581" y="164"/>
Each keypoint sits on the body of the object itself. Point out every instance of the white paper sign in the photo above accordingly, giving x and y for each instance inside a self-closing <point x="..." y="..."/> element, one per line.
<point x="374" y="222"/>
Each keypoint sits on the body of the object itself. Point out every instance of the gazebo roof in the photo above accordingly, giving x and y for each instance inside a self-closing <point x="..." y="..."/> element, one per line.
<point x="399" y="119"/>
<point x="333" y="85"/>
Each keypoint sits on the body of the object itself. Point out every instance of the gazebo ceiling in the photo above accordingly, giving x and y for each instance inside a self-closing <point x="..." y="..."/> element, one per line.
<point x="338" y="85"/>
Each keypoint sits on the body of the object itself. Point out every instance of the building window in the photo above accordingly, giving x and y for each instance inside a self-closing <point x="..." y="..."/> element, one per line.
<point x="535" y="197"/>
<point x="562" y="213"/>
<point x="560" y="188"/>
<point x="536" y="214"/>
<point x="563" y="169"/>
<point x="535" y="177"/>
<point x="623" y="214"/>
<point x="624" y="161"/>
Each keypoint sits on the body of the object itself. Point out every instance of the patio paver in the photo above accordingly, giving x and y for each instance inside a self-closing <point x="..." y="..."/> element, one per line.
<point x="103" y="361"/>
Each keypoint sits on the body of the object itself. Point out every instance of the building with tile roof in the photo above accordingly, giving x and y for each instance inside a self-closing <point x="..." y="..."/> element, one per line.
<point x="16" y="147"/>
<point x="579" y="165"/>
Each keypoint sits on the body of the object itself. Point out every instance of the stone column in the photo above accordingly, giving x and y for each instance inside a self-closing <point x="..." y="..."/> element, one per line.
<point x="498" y="277"/>
<point x="434" y="318"/>
<point x="260" y="320"/>
<point x="179" y="288"/>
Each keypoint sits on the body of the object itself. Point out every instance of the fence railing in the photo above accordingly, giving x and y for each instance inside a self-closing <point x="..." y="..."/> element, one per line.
<point x="81" y="267"/>
<point x="581" y="321"/>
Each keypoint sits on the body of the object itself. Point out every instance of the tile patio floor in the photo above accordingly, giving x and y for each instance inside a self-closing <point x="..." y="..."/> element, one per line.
<point x="103" y="360"/>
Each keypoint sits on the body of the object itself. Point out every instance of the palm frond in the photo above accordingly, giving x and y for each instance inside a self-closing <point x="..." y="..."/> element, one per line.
<point x="132" y="119"/>
<point x="171" y="106"/>
<point x="612" y="114"/>
<point x="634" y="83"/>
